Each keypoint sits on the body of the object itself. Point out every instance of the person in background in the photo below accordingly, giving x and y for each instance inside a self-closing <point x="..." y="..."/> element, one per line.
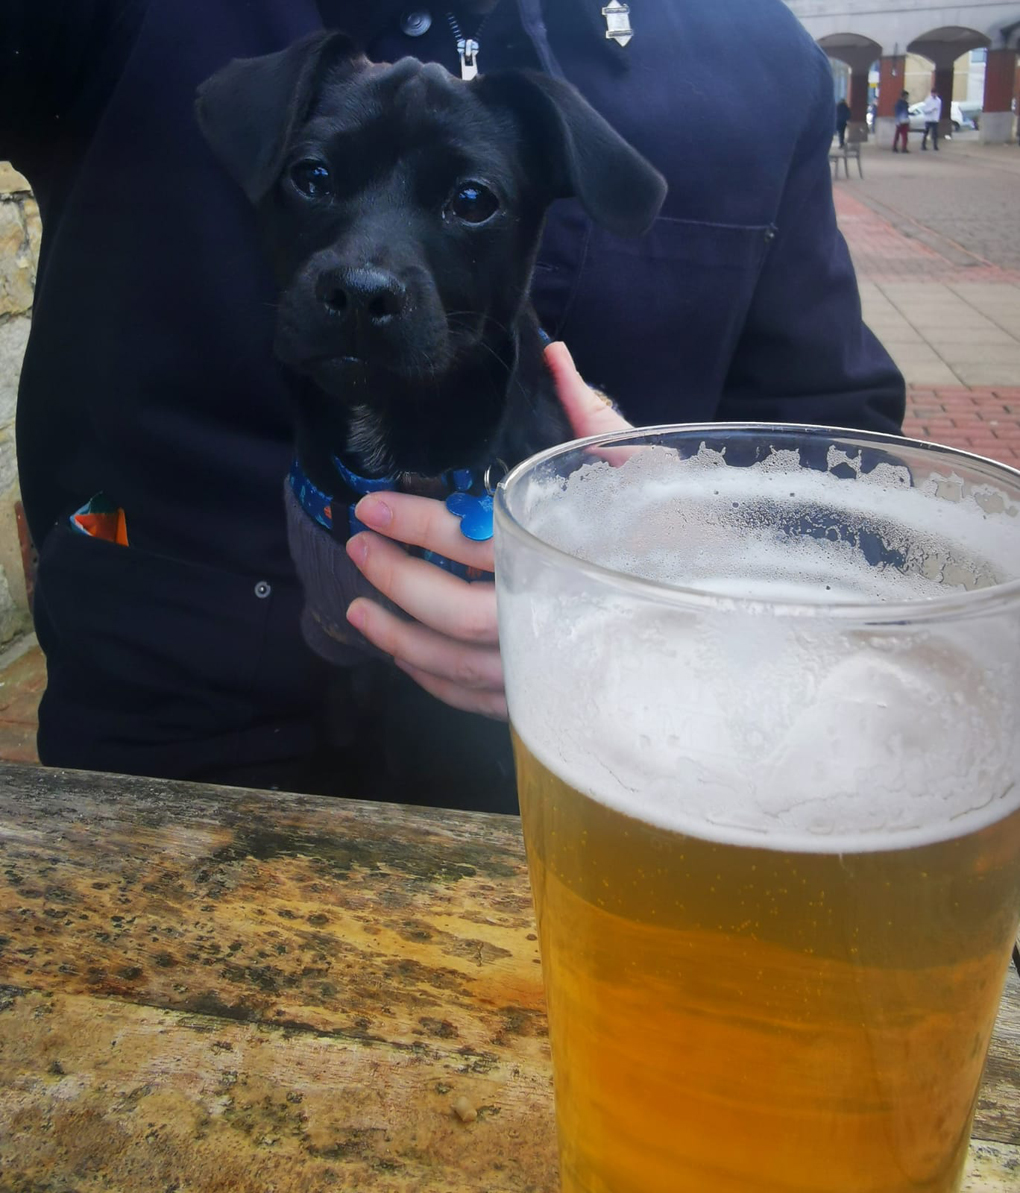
<point x="932" y="116"/>
<point x="150" y="377"/>
<point x="842" y="118"/>
<point x="901" y="114"/>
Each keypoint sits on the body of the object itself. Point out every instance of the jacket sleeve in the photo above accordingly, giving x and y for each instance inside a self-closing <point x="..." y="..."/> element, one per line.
<point x="805" y="355"/>
<point x="51" y="53"/>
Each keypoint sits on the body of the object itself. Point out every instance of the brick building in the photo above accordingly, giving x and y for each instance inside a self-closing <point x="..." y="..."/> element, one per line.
<point x="867" y="36"/>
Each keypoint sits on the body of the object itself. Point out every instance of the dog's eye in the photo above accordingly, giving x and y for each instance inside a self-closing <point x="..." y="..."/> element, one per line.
<point x="312" y="179"/>
<point x="473" y="203"/>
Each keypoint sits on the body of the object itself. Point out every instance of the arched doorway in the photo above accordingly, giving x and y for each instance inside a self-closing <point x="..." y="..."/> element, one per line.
<point x="858" y="53"/>
<point x="943" y="47"/>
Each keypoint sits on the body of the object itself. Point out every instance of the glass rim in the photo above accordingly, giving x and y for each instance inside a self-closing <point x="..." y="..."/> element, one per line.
<point x="956" y="604"/>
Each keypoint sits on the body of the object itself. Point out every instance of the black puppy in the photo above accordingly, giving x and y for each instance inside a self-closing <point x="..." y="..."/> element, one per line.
<point x="402" y="211"/>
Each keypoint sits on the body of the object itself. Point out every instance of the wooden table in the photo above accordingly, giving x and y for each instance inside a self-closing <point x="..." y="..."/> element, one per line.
<point x="207" y="989"/>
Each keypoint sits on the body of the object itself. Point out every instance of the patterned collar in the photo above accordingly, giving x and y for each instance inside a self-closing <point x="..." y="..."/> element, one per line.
<point x="468" y="497"/>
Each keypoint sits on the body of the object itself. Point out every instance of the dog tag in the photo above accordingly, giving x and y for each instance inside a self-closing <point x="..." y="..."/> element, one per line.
<point x="618" y="22"/>
<point x="475" y="515"/>
<point x="467" y="47"/>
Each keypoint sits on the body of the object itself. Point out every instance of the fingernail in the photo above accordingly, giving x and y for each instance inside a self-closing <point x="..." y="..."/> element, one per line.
<point x="356" y="616"/>
<point x="357" y="549"/>
<point x="374" y="512"/>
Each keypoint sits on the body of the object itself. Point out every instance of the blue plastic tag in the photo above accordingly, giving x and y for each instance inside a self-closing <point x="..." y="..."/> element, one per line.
<point x="475" y="515"/>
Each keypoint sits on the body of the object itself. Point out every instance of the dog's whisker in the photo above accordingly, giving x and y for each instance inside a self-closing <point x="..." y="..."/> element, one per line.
<point x="480" y="315"/>
<point x="481" y="344"/>
<point x="496" y="356"/>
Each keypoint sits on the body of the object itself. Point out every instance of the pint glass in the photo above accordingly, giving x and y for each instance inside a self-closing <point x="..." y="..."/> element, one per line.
<point x="764" y="684"/>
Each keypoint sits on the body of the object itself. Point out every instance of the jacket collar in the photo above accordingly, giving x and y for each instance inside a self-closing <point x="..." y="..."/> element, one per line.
<point x="364" y="21"/>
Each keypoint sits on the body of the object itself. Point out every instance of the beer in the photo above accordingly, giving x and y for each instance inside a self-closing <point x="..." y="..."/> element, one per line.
<point x="734" y="1019"/>
<point x="763" y="687"/>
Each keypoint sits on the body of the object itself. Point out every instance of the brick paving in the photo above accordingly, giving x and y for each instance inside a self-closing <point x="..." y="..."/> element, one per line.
<point x="965" y="196"/>
<point x="948" y="314"/>
<point x="983" y="421"/>
<point x="887" y="252"/>
<point x="936" y="244"/>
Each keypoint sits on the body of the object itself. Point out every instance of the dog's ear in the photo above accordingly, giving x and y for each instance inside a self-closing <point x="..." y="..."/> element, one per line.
<point x="248" y="110"/>
<point x="582" y="153"/>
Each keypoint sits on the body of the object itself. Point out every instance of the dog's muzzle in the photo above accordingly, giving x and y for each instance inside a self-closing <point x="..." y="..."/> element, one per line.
<point x="365" y="299"/>
<point x="335" y="317"/>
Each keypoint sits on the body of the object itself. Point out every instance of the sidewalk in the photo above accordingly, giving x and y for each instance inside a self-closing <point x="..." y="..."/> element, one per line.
<point x="948" y="315"/>
<point x="946" y="312"/>
<point x="950" y="321"/>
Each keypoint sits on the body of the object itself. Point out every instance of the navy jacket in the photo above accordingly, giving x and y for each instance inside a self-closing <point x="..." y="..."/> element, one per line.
<point x="149" y="374"/>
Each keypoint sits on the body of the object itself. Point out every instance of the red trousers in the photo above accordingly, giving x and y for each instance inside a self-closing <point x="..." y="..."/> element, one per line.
<point x="902" y="130"/>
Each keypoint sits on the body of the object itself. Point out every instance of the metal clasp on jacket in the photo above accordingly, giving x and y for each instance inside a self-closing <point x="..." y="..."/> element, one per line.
<point x="618" y="22"/>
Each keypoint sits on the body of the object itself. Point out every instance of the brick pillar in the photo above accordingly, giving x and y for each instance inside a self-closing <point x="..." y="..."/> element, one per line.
<point x="890" y="84"/>
<point x="1000" y="79"/>
<point x="857" y="128"/>
<point x="942" y="81"/>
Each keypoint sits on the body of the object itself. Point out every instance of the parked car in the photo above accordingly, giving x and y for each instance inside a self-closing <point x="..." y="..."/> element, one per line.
<point x="970" y="115"/>
<point x="960" y="119"/>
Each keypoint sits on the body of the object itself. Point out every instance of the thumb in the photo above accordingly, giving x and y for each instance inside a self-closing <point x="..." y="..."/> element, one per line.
<point x="588" y="412"/>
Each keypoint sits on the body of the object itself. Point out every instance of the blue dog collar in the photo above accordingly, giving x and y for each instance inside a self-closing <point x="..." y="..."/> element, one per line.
<point x="473" y="508"/>
<point x="316" y="504"/>
<point x="364" y="484"/>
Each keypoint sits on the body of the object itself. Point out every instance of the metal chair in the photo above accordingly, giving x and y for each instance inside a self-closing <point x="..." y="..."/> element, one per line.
<point x="852" y="149"/>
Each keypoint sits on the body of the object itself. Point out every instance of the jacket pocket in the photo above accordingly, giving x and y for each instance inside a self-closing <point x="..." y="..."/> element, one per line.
<point x="655" y="321"/>
<point x="183" y="643"/>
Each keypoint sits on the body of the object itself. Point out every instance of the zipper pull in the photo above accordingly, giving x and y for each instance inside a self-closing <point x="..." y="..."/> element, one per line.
<point x="467" y="48"/>
<point x="618" y="22"/>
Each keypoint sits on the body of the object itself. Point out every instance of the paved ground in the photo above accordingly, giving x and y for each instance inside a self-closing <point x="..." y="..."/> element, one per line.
<point x="936" y="242"/>
<point x="963" y="197"/>
<point x="922" y="230"/>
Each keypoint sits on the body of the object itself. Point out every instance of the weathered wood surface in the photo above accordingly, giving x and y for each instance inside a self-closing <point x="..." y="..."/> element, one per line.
<point x="246" y="991"/>
<point x="998" y="1110"/>
<point x="208" y="989"/>
<point x="992" y="1168"/>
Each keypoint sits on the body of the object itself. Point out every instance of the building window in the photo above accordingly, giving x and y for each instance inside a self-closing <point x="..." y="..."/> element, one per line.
<point x="978" y="56"/>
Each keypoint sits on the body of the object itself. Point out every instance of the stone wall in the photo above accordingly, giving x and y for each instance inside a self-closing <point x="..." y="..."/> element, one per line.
<point x="20" y="231"/>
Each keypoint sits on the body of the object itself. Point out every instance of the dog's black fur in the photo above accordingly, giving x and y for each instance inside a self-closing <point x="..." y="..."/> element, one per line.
<point x="411" y="322"/>
<point x="402" y="210"/>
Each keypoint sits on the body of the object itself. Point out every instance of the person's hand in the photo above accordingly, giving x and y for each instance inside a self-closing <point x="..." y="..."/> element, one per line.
<point x="450" y="645"/>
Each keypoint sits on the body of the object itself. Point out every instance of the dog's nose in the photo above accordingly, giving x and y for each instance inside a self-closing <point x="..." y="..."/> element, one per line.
<point x="378" y="295"/>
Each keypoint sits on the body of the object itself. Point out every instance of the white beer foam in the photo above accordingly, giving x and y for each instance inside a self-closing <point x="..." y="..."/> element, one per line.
<point x="802" y="733"/>
<point x="683" y="531"/>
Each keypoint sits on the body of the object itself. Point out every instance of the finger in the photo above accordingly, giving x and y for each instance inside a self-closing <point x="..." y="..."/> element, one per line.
<point x="423" y="522"/>
<point x="588" y="412"/>
<point x="473" y="668"/>
<point x="454" y="607"/>
<point x="488" y="704"/>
